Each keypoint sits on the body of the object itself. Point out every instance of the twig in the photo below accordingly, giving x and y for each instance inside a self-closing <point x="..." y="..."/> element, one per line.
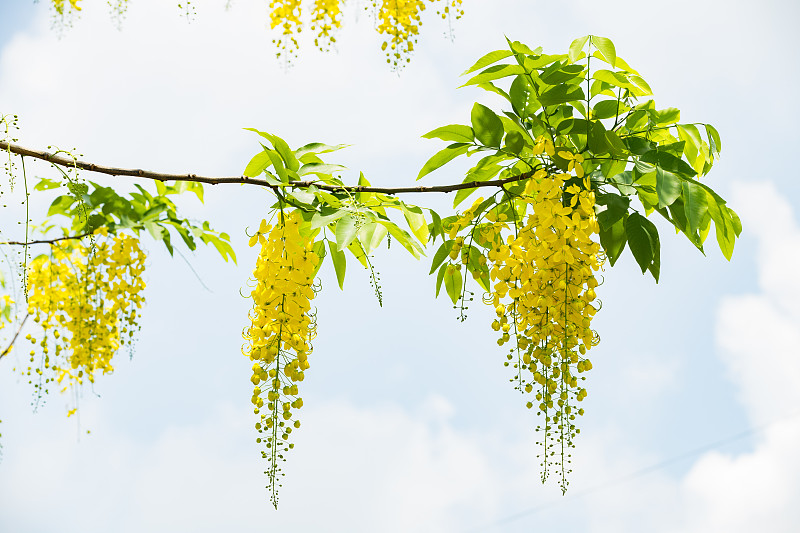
<point x="13" y="340"/>
<point x="45" y="241"/>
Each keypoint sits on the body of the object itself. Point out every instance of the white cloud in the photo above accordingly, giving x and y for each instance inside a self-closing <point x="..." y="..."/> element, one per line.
<point x="759" y="339"/>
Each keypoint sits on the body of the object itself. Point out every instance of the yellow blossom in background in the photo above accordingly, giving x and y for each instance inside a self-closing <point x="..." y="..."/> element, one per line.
<point x="397" y="21"/>
<point x="326" y="19"/>
<point x="285" y="16"/>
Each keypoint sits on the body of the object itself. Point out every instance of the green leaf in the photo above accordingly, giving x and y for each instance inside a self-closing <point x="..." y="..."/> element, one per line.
<point x="436" y="225"/>
<point x="304" y="197"/>
<point x="441" y="254"/>
<point x="695" y="204"/>
<point x="723" y="224"/>
<point x="461" y="195"/>
<point x="559" y="74"/>
<point x="576" y="47"/>
<point x="402" y="236"/>
<point x="515" y="142"/>
<point x="488" y="59"/>
<point x="47" y="184"/>
<point x="492" y="88"/>
<point x="597" y="138"/>
<point x="453" y="132"/>
<point x="440" y="278"/>
<point x="655" y="265"/>
<point x="606" y="48"/>
<point x="635" y="84"/>
<point x="520" y="95"/>
<point x="495" y="72"/>
<point x="277" y="162"/>
<point x="668" y="187"/>
<point x="289" y="159"/>
<point x="221" y="242"/>
<point x="358" y="252"/>
<point x="317" y="148"/>
<point x="608" y="108"/>
<point x="61" y="205"/>
<point x="641" y="243"/>
<point x="319" y="249"/>
<point x="616" y="144"/>
<point x="154" y="229"/>
<point x="320" y="169"/>
<point x="668" y="162"/>
<point x="616" y="208"/>
<point x="416" y="222"/>
<point x="643" y="88"/>
<point x="371" y="235"/>
<point x="522" y="48"/>
<point x="613" y="239"/>
<point x="339" y="262"/>
<point x="572" y="125"/>
<point x="561" y="94"/>
<point x="623" y="182"/>
<point x="487" y="126"/>
<point x="453" y="283"/>
<point x="318" y="220"/>
<point x="666" y="116"/>
<point x="443" y="157"/>
<point x="713" y="139"/>
<point x="345" y="231"/>
<point x="692" y="144"/>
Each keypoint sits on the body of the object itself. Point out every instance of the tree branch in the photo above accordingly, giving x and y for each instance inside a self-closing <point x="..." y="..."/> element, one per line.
<point x="158" y="176"/>
<point x="45" y="241"/>
<point x="11" y="344"/>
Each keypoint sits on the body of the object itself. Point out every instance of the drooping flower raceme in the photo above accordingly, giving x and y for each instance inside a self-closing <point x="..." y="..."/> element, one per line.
<point x="86" y="301"/>
<point x="536" y="254"/>
<point x="278" y="340"/>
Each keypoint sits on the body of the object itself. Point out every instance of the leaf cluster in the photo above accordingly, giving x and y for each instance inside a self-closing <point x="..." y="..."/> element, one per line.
<point x="590" y="103"/>
<point x="348" y="222"/>
<point x="92" y="206"/>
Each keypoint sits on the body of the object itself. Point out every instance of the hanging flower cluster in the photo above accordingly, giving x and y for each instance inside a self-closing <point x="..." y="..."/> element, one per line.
<point x="286" y="15"/>
<point x="536" y="255"/>
<point x="61" y="6"/>
<point x="544" y="286"/>
<point x="279" y="336"/>
<point x="399" y="21"/>
<point x="326" y="19"/>
<point x="452" y="8"/>
<point x="86" y="301"/>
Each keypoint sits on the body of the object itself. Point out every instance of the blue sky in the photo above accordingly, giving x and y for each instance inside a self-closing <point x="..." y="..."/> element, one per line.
<point x="410" y="423"/>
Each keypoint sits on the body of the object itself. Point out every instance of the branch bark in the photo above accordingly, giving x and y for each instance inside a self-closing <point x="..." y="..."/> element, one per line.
<point x="45" y="241"/>
<point x="159" y="176"/>
<point x="11" y="344"/>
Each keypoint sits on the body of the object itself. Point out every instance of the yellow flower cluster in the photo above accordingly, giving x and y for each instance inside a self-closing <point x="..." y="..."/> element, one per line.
<point x="286" y="14"/>
<point x="543" y="289"/>
<point x="86" y="301"/>
<point x="279" y="336"/>
<point x="61" y="5"/>
<point x="326" y="18"/>
<point x="399" y="20"/>
<point x="536" y="255"/>
<point x="452" y="8"/>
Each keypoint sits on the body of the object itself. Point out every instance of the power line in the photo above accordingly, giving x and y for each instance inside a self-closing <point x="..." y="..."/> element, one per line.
<point x="637" y="473"/>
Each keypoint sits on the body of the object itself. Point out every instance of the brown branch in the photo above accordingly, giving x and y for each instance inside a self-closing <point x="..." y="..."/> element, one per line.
<point x="11" y="344"/>
<point x="158" y="176"/>
<point x="45" y="241"/>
